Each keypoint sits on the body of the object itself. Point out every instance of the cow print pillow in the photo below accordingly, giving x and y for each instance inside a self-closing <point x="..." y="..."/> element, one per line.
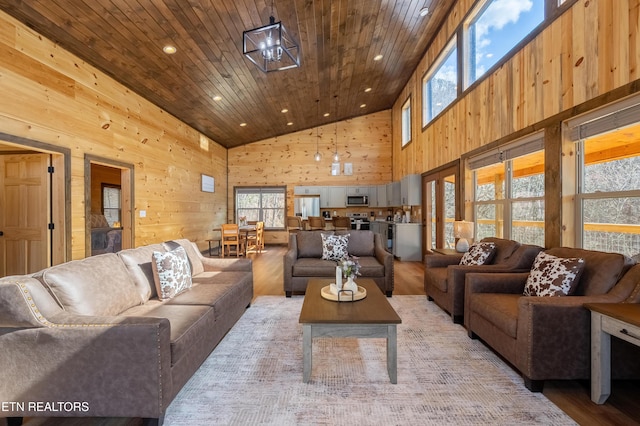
<point x="553" y="276"/>
<point x="479" y="254"/>
<point x="334" y="247"/>
<point x="171" y="272"/>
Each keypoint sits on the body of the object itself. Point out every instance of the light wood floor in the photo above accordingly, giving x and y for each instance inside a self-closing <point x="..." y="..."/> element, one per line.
<point x="622" y="407"/>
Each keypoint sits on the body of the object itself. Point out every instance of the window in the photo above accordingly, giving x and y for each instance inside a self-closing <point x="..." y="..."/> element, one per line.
<point x="265" y="204"/>
<point x="111" y="207"/>
<point x="494" y="28"/>
<point x="406" y="122"/>
<point x="509" y="191"/>
<point x="440" y="85"/>
<point x="608" y="182"/>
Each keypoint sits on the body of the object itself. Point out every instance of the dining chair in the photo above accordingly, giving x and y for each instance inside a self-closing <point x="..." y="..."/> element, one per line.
<point x="341" y="222"/>
<point x="316" y="223"/>
<point x="255" y="241"/>
<point x="230" y="238"/>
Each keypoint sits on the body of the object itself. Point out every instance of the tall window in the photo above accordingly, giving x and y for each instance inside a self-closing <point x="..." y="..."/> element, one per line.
<point x="406" y="122"/>
<point x="493" y="29"/>
<point x="111" y="207"/>
<point x="266" y="204"/>
<point x="509" y="191"/>
<point x="440" y="84"/>
<point x="608" y="182"/>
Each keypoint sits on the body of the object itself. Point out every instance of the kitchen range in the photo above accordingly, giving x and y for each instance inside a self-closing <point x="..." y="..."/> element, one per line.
<point x="359" y="220"/>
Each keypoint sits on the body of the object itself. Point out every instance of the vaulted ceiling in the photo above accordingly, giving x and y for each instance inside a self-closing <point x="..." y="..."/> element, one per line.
<point x="338" y="41"/>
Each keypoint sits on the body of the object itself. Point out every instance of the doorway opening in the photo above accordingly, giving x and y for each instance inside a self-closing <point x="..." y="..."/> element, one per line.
<point x="108" y="206"/>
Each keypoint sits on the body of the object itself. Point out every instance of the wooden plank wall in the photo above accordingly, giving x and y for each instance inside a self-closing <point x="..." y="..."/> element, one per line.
<point x="51" y="96"/>
<point x="288" y="160"/>
<point x="588" y="51"/>
<point x="587" y="57"/>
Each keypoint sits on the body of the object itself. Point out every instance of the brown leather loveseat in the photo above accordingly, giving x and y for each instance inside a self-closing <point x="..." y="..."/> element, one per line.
<point x="444" y="277"/>
<point x="547" y="338"/>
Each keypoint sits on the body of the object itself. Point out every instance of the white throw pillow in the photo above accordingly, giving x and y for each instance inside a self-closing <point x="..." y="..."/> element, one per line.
<point x="334" y="247"/>
<point x="171" y="272"/>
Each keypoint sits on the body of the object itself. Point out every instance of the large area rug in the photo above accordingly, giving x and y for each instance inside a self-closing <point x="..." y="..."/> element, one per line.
<point x="254" y="376"/>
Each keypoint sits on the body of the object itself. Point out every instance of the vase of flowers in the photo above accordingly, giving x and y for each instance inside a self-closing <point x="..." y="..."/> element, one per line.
<point x="350" y="269"/>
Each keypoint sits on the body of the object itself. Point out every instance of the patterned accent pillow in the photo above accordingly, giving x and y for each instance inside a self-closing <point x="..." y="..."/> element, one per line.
<point x="334" y="247"/>
<point x="479" y="253"/>
<point x="171" y="272"/>
<point x="553" y="276"/>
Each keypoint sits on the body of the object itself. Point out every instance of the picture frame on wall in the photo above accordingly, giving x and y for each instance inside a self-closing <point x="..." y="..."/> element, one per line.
<point x="335" y="169"/>
<point x="208" y="183"/>
<point x="348" y="169"/>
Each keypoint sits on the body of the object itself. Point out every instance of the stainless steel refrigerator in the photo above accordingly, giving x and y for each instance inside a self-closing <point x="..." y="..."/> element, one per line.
<point x="306" y="205"/>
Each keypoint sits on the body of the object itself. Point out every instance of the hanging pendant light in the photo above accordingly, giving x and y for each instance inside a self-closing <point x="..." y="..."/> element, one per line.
<point x="317" y="156"/>
<point x="271" y="47"/>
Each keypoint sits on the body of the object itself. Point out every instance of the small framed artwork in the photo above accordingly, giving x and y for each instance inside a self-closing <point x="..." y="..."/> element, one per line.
<point x="348" y="169"/>
<point x="335" y="169"/>
<point x="208" y="183"/>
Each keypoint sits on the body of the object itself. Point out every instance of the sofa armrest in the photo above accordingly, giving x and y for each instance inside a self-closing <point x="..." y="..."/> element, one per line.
<point x="115" y="366"/>
<point x="509" y="282"/>
<point x="441" y="260"/>
<point x="556" y="326"/>
<point x="211" y="264"/>
<point x="386" y="259"/>
<point x="289" y="260"/>
<point x="456" y="282"/>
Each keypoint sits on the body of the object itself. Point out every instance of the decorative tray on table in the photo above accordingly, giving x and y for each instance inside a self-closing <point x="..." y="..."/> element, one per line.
<point x="343" y="295"/>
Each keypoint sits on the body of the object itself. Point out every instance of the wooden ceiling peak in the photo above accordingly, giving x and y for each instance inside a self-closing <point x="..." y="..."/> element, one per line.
<point x="338" y="40"/>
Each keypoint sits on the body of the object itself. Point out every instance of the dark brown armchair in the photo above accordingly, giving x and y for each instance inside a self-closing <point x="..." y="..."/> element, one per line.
<point x="444" y="277"/>
<point x="547" y="338"/>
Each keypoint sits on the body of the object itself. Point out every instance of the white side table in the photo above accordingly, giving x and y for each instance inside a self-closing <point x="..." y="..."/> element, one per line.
<point x="621" y="320"/>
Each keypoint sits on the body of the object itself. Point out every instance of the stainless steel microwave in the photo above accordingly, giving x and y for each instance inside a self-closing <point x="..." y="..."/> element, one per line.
<point x="357" y="200"/>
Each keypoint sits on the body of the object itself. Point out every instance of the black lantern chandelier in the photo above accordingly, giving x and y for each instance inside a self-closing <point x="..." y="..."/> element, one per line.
<point x="271" y="47"/>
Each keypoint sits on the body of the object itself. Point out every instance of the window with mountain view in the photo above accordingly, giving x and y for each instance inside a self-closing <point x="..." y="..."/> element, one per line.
<point x="494" y="28"/>
<point x="440" y="84"/>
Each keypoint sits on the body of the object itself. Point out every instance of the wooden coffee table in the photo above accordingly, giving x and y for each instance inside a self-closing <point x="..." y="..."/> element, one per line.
<point x="372" y="316"/>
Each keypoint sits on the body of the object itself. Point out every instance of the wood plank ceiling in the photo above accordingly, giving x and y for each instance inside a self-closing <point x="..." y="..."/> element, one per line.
<point x="338" y="42"/>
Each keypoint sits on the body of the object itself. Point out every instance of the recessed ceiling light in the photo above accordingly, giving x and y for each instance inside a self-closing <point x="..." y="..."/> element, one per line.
<point x="367" y="90"/>
<point x="217" y="98"/>
<point x="284" y="110"/>
<point x="169" y="49"/>
<point x="377" y="57"/>
<point x="290" y="123"/>
<point x="424" y="11"/>
<point x="363" y="105"/>
<point x="243" y="124"/>
<point x="326" y="114"/>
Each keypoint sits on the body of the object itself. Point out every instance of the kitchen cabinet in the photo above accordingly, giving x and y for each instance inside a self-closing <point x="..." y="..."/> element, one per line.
<point x="394" y="197"/>
<point x="382" y="196"/>
<point x="358" y="190"/>
<point x="410" y="190"/>
<point x="407" y="241"/>
<point x="333" y="197"/>
<point x="306" y="190"/>
<point x="373" y="196"/>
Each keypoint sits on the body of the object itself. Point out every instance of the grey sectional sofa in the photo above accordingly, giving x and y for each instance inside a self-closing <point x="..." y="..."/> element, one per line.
<point x="304" y="260"/>
<point x="93" y="332"/>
